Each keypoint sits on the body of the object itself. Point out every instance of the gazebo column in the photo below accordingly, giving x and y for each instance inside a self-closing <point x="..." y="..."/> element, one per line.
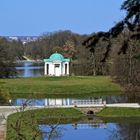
<point x="61" y="69"/>
<point x="67" y="68"/>
<point x="46" y="68"/>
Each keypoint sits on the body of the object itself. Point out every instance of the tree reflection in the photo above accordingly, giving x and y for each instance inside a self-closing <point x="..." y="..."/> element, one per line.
<point x="130" y="131"/>
<point x="51" y="132"/>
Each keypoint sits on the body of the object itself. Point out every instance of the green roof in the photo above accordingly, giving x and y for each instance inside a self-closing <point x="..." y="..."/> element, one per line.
<point x="56" y="57"/>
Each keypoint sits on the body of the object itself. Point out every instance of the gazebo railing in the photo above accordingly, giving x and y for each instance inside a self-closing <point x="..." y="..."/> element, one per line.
<point x="88" y="102"/>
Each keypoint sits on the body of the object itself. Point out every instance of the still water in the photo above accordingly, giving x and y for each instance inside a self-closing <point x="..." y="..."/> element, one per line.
<point x="91" y="131"/>
<point x="29" y="69"/>
<point x="70" y="101"/>
<point x="79" y="131"/>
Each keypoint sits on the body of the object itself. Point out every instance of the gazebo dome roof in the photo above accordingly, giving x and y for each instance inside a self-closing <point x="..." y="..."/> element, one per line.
<point x="56" y="56"/>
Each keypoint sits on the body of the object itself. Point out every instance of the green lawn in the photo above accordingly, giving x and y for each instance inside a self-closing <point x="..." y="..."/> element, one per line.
<point x="61" y="86"/>
<point x="26" y="123"/>
<point x="119" y="112"/>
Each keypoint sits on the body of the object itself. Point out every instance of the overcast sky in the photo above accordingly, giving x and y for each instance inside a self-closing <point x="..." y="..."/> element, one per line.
<point x="35" y="17"/>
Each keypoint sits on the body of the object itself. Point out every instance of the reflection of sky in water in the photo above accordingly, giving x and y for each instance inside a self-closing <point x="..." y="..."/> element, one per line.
<point x="39" y="102"/>
<point x="29" y="70"/>
<point x="66" y="101"/>
<point x="42" y="102"/>
<point x="70" y="133"/>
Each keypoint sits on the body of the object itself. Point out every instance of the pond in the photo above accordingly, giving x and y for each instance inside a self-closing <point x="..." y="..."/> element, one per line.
<point x="69" y="101"/>
<point x="97" y="130"/>
<point x="78" y="131"/>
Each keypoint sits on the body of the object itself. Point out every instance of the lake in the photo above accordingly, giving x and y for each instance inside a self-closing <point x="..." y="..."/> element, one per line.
<point x="29" y="69"/>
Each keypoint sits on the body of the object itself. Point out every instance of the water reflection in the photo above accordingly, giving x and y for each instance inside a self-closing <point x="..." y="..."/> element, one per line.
<point x="57" y="101"/>
<point x="89" y="131"/>
<point x="73" y="101"/>
<point x="69" y="101"/>
<point x="82" y="132"/>
<point x="29" y="69"/>
<point x="51" y="132"/>
<point x="126" y="131"/>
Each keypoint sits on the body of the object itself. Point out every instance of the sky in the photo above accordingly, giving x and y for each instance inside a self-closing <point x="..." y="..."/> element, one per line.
<point x="36" y="17"/>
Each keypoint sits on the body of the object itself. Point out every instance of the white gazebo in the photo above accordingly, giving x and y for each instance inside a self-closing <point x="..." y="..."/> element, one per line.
<point x="56" y="65"/>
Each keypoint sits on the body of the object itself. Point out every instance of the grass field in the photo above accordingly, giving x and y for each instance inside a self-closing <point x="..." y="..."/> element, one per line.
<point x="119" y="112"/>
<point x="26" y="123"/>
<point x="61" y="86"/>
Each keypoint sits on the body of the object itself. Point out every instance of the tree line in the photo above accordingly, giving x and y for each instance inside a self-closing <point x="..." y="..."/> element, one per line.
<point x="9" y="53"/>
<point x="121" y="47"/>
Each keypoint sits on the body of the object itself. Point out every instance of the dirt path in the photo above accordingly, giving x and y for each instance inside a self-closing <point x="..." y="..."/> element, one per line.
<point x="4" y="112"/>
<point x="2" y="131"/>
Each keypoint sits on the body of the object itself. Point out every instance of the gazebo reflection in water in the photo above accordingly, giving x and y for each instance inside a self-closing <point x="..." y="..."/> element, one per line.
<point x="56" y="102"/>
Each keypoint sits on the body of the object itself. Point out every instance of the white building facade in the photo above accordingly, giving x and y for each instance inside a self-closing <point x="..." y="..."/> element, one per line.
<point x="56" y="65"/>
